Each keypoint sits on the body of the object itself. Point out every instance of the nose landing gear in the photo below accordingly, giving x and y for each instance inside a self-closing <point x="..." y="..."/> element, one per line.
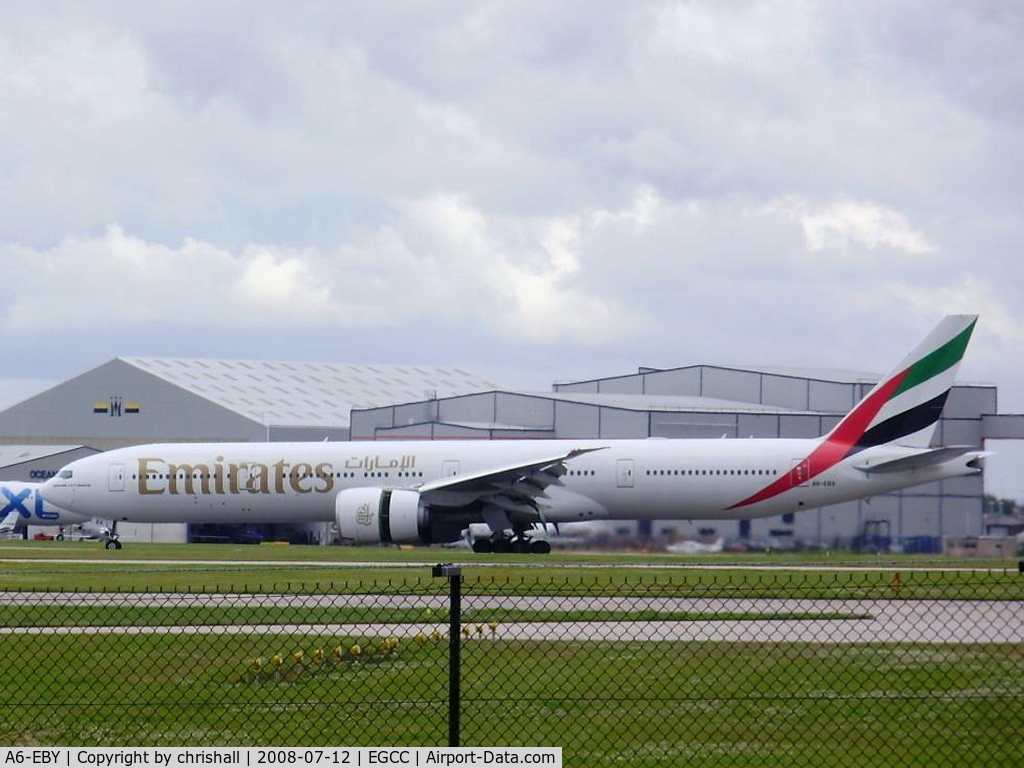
<point x="112" y="541"/>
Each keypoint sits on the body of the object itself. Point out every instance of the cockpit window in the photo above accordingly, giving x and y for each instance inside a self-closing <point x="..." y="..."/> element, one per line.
<point x="65" y="474"/>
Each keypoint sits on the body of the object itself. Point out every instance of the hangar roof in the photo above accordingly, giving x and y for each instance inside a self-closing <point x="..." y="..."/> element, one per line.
<point x="307" y="394"/>
<point x="666" y="402"/>
<point x="21" y="454"/>
<point x="836" y="375"/>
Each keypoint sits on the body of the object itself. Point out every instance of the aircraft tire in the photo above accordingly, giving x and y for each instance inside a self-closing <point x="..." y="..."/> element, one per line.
<point x="482" y="546"/>
<point x="59" y="537"/>
<point x="113" y="544"/>
<point x="501" y="546"/>
<point x="540" y="547"/>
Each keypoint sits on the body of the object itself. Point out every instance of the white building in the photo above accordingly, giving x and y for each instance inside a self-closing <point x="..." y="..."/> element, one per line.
<point x="133" y="400"/>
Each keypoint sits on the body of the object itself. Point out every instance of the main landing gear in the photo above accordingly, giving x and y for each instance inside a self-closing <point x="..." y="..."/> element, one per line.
<point x="517" y="544"/>
<point x="112" y="537"/>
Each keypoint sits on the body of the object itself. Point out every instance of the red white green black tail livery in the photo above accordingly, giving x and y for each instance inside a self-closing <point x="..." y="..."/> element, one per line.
<point x="903" y="410"/>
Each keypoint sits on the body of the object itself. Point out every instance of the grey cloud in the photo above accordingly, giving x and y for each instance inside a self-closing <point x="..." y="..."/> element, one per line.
<point x="326" y="130"/>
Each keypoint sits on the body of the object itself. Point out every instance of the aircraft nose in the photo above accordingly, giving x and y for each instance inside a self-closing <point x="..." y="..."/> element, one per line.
<point x="59" y="491"/>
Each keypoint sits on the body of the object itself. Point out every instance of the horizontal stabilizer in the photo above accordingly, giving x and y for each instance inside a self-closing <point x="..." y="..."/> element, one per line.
<point x="918" y="460"/>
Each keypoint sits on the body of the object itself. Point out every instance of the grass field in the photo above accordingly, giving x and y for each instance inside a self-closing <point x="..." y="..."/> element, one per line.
<point x="607" y="703"/>
<point x="93" y="550"/>
<point x="303" y="570"/>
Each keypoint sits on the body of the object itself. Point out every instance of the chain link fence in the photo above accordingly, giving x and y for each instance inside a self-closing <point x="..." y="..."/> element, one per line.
<point x="844" y="669"/>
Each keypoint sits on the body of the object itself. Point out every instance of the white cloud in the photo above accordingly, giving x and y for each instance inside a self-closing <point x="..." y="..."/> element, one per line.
<point x="517" y="278"/>
<point x="441" y="260"/>
<point x="640" y="215"/>
<point x="119" y="280"/>
<point x="654" y="182"/>
<point x="843" y="225"/>
<point x="961" y="294"/>
<point x="734" y="33"/>
<point x="272" y="283"/>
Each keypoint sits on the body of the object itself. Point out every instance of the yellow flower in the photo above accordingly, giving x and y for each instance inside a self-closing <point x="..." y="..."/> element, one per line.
<point x="276" y="660"/>
<point x="337" y="652"/>
<point x="355" y="650"/>
<point x="493" y="625"/>
<point x="318" y="654"/>
<point x="435" y="636"/>
<point x="256" y="664"/>
<point x="298" y="657"/>
<point x="420" y="638"/>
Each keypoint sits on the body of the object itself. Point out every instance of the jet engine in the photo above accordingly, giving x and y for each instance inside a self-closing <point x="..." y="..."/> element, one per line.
<point x="382" y="516"/>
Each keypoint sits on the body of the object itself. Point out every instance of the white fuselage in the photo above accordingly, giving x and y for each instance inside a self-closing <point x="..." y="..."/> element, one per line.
<point x="26" y="499"/>
<point x="623" y="479"/>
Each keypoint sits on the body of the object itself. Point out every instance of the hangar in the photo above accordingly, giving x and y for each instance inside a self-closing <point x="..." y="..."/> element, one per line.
<point x="38" y="463"/>
<point x="715" y="402"/>
<point x="134" y="400"/>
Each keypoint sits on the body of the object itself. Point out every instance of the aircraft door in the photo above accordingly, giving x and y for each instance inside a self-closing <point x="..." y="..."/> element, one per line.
<point x="116" y="477"/>
<point x="450" y="468"/>
<point x="801" y="472"/>
<point x="624" y="473"/>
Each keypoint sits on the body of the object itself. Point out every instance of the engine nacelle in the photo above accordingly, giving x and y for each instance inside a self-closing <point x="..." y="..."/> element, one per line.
<point x="382" y="516"/>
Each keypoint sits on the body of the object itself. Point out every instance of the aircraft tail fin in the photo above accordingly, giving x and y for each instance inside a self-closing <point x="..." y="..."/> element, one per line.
<point x="10" y="522"/>
<point x="904" y="407"/>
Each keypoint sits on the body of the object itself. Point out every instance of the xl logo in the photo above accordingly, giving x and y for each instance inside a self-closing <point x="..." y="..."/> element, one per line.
<point x="16" y="503"/>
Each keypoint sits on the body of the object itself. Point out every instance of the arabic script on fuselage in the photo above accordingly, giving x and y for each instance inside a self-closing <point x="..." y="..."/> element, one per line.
<point x="156" y="475"/>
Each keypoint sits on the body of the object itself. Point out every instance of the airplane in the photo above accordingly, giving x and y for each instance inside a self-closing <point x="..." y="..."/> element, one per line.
<point x="22" y="504"/>
<point x="696" y="547"/>
<point x="422" y="492"/>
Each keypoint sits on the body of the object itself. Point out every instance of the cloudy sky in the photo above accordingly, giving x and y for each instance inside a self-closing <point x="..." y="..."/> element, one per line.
<point x="532" y="190"/>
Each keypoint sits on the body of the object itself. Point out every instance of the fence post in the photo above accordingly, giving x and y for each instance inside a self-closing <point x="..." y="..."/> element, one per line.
<point x="454" y="575"/>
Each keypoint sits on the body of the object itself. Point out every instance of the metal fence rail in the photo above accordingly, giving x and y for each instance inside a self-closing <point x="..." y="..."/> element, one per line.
<point x="862" y="669"/>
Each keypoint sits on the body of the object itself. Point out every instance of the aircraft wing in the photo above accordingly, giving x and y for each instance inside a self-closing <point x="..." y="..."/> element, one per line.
<point x="919" y="460"/>
<point x="515" y="488"/>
